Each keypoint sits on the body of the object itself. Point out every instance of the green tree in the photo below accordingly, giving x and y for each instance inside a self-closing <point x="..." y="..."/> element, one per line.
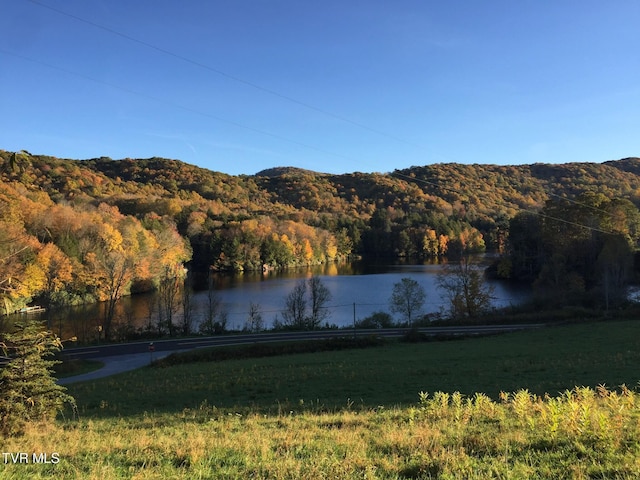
<point x="19" y="161"/>
<point x="525" y="248"/>
<point x="407" y="298"/>
<point x="575" y="248"/>
<point x="28" y="390"/>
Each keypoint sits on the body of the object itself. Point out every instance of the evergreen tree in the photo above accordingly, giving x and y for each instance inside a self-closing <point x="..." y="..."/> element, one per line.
<point x="28" y="390"/>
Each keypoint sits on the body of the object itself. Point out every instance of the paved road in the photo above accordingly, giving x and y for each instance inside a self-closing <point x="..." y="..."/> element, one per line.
<point x="115" y="364"/>
<point x="119" y="358"/>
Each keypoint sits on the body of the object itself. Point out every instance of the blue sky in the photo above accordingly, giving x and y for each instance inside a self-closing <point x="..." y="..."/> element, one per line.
<point x="333" y="86"/>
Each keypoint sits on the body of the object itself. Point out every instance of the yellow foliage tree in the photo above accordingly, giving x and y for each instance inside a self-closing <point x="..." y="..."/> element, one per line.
<point x="307" y="250"/>
<point x="430" y="243"/>
<point x="331" y="248"/>
<point x="20" y="277"/>
<point x="56" y="270"/>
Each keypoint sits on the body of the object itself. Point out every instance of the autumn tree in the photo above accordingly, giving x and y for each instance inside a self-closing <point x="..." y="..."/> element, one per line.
<point x="56" y="270"/>
<point x="20" y="276"/>
<point x="112" y="260"/>
<point x="319" y="296"/>
<point x="307" y="293"/>
<point x="295" y="311"/>
<point x="168" y="297"/>
<point x="169" y="254"/>
<point x="215" y="318"/>
<point x="465" y="288"/>
<point x="407" y="298"/>
<point x="187" y="304"/>
<point x="430" y="244"/>
<point x="254" y="321"/>
<point x="285" y="218"/>
<point x="276" y="251"/>
<point x="113" y="270"/>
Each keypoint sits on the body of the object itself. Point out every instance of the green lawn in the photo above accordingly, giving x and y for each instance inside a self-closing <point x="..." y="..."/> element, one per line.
<point x="358" y="414"/>
<point x="70" y="368"/>
<point x="547" y="360"/>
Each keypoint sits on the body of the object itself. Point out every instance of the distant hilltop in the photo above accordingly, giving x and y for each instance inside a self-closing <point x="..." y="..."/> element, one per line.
<point x="281" y="171"/>
<point x="306" y="216"/>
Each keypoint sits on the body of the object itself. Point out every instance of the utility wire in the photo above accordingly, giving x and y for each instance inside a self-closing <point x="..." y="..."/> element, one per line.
<point x="271" y="92"/>
<point x="288" y="140"/>
<point x="533" y="212"/>
<point x="175" y="105"/>
<point x="550" y="194"/>
<point x="223" y="73"/>
<point x="349" y="306"/>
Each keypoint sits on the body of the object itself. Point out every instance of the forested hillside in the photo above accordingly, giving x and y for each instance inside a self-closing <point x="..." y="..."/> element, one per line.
<point x="95" y="229"/>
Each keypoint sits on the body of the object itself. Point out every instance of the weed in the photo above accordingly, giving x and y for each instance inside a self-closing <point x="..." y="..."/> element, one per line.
<point x="353" y="414"/>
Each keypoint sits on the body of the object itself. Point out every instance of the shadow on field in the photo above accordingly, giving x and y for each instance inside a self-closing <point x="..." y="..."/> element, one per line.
<point x="339" y="374"/>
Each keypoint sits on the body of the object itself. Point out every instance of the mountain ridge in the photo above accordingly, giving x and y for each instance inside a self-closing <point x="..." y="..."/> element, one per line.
<point x="151" y="215"/>
<point x="445" y="197"/>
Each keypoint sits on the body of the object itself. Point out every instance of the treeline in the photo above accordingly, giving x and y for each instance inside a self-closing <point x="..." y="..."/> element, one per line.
<point x="59" y="253"/>
<point x="161" y="213"/>
<point x="579" y="251"/>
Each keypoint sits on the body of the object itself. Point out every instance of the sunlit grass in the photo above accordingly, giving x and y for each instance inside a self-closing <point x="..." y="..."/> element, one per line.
<point x="360" y="414"/>
<point x="582" y="433"/>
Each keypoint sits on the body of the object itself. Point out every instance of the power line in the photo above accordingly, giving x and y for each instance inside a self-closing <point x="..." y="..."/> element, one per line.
<point x="295" y="142"/>
<point x="443" y="187"/>
<point x="222" y="73"/>
<point x="350" y="306"/>
<point x="533" y="212"/>
<point x="176" y="105"/>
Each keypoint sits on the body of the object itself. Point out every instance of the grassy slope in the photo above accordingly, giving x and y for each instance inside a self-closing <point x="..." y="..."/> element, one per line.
<point x="74" y="367"/>
<point x="544" y="361"/>
<point x="194" y="421"/>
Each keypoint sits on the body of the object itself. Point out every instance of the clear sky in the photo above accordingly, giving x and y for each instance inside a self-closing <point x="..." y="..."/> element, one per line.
<point x="336" y="85"/>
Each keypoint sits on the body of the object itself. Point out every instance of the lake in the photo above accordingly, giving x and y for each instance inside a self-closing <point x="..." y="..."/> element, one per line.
<point x="365" y="284"/>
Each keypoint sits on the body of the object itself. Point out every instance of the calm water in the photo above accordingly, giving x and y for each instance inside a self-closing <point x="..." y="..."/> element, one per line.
<point x="366" y="285"/>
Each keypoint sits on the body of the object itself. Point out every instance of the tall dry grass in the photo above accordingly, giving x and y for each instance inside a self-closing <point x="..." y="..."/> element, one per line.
<point x="582" y="433"/>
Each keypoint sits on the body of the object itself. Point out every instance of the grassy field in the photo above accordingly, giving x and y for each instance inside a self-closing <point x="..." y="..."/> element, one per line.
<point x="360" y="414"/>
<point x="548" y="360"/>
<point x="70" y="368"/>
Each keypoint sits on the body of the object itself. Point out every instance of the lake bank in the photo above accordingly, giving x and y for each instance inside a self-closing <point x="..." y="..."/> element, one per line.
<point x="357" y="289"/>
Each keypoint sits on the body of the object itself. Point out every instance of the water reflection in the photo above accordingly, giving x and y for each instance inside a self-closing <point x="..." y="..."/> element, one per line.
<point x="361" y="286"/>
